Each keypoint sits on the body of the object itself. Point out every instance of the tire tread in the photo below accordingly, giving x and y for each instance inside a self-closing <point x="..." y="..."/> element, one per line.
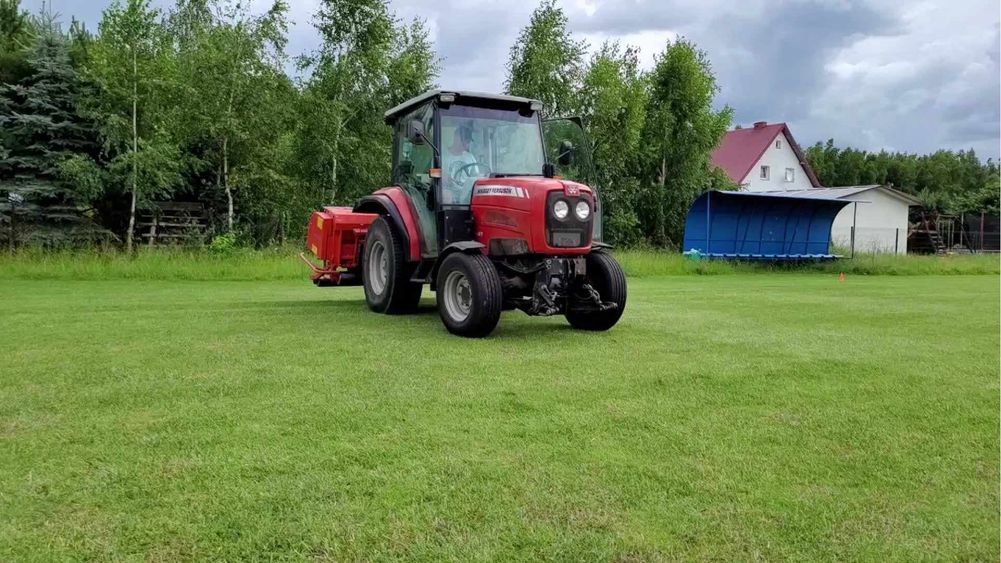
<point x="483" y="319"/>
<point x="613" y="288"/>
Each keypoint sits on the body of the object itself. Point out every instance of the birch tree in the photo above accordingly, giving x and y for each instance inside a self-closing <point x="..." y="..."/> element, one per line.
<point x="229" y="67"/>
<point x="129" y="63"/>
<point x="368" y="62"/>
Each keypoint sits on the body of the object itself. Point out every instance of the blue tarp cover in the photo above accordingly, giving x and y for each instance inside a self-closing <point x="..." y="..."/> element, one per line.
<point x="761" y="226"/>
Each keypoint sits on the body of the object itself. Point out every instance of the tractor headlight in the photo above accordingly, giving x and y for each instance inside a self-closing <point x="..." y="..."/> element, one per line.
<point x="583" y="210"/>
<point x="561" y="209"/>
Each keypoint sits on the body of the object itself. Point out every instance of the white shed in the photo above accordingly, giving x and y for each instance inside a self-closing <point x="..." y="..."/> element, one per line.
<point x="879" y="216"/>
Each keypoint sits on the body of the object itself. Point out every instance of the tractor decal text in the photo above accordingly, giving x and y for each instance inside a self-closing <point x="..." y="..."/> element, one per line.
<point x="506" y="191"/>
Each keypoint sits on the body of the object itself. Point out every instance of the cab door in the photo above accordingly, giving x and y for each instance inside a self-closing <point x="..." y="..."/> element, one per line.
<point x="412" y="164"/>
<point x="555" y="132"/>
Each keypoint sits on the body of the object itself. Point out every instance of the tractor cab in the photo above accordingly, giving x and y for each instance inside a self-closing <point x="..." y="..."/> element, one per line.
<point x="477" y="211"/>
<point x="446" y="143"/>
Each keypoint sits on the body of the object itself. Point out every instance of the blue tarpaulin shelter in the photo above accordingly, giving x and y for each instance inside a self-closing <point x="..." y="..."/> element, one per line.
<point x="761" y="226"/>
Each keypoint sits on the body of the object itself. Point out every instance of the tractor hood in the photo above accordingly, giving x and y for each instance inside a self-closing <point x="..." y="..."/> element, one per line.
<point x="521" y="212"/>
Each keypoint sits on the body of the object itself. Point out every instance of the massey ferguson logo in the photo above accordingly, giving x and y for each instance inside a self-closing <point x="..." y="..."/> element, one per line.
<point x="508" y="191"/>
<point x="571" y="189"/>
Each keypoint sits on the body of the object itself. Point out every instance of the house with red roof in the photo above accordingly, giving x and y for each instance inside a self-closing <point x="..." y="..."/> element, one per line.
<point x="764" y="158"/>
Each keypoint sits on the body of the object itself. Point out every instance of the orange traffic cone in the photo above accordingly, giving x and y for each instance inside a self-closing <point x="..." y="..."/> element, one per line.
<point x="841" y="277"/>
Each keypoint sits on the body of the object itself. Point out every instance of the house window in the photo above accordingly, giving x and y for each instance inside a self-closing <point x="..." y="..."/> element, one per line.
<point x="778" y="143"/>
<point x="766" y="172"/>
<point x="790" y="175"/>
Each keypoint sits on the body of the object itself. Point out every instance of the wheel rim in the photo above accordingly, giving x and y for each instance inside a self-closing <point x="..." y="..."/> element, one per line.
<point x="378" y="267"/>
<point x="458" y="295"/>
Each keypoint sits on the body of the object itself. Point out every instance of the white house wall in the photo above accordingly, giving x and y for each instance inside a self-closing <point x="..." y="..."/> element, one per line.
<point x="880" y="224"/>
<point x="778" y="159"/>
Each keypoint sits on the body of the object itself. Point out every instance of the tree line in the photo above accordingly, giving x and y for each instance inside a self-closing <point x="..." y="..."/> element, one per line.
<point x="197" y="103"/>
<point x="202" y="103"/>
<point x="953" y="182"/>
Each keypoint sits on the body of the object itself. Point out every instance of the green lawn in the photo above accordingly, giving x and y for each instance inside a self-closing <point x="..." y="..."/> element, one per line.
<point x="746" y="416"/>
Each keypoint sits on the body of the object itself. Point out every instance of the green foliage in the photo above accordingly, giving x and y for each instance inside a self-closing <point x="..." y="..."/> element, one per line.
<point x="17" y="36"/>
<point x="42" y="129"/>
<point x="680" y="131"/>
<point x="229" y="108"/>
<point x="130" y="65"/>
<point x="546" y="63"/>
<point x="614" y="98"/>
<point x="223" y="243"/>
<point x="946" y="181"/>
<point x="367" y="63"/>
<point x="156" y="166"/>
<point x="651" y="134"/>
<point x="86" y="176"/>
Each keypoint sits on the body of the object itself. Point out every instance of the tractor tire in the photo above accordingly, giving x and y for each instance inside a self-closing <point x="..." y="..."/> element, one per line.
<point x="469" y="294"/>
<point x="386" y="272"/>
<point x="606" y="276"/>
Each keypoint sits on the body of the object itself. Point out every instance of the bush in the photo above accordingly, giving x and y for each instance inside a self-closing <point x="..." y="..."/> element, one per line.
<point x="224" y="243"/>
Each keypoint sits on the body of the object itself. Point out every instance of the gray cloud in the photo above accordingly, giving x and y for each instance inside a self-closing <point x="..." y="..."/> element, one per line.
<point x="772" y="67"/>
<point x="869" y="73"/>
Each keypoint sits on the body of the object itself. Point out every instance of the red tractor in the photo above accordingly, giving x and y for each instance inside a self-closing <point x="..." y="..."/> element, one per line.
<point x="476" y="212"/>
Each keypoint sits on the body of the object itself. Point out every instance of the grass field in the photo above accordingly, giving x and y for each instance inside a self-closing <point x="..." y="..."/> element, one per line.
<point x="766" y="416"/>
<point x="279" y="263"/>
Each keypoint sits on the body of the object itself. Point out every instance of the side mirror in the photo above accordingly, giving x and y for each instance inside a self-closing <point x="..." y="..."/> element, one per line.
<point x="415" y="132"/>
<point x="566" y="154"/>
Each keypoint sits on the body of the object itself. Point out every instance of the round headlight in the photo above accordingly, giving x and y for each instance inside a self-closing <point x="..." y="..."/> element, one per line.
<point x="561" y="209"/>
<point x="583" y="210"/>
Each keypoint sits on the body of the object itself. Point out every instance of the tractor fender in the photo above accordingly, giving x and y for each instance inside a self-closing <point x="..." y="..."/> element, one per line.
<point x="601" y="246"/>
<point x="382" y="204"/>
<point x="465" y="246"/>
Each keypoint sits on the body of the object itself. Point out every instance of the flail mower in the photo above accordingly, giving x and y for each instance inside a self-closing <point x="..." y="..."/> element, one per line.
<point x="477" y="212"/>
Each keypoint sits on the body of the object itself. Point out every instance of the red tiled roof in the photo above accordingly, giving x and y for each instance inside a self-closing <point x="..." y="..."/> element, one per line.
<point x="740" y="150"/>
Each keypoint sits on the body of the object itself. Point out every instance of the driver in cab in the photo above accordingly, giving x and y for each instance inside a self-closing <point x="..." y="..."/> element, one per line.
<point x="460" y="166"/>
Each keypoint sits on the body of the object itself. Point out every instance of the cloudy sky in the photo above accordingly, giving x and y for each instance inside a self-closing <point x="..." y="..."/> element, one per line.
<point x="896" y="74"/>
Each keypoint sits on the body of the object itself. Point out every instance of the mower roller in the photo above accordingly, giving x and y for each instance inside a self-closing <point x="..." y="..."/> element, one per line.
<point x="477" y="212"/>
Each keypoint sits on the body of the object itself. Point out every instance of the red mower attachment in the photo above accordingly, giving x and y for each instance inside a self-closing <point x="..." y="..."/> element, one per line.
<point x="335" y="236"/>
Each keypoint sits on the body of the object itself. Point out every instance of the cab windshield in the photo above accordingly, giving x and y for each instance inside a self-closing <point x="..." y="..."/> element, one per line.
<point x="480" y="143"/>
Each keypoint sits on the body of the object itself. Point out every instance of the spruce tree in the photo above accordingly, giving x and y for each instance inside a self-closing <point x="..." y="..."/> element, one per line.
<point x="42" y="129"/>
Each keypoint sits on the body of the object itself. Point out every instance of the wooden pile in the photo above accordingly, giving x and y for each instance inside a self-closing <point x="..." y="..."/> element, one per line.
<point x="173" y="223"/>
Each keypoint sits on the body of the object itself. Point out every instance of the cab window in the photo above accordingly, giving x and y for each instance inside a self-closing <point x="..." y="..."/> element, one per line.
<point x="412" y="172"/>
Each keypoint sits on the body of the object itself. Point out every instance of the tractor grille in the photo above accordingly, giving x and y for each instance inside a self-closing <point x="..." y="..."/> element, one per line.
<point x="570" y="232"/>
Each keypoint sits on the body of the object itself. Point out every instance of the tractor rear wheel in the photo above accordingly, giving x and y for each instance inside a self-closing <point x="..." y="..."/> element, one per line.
<point x="605" y="275"/>
<point x="386" y="272"/>
<point x="469" y="294"/>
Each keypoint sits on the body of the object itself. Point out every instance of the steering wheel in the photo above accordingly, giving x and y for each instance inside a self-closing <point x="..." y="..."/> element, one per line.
<point x="464" y="170"/>
<point x="457" y="187"/>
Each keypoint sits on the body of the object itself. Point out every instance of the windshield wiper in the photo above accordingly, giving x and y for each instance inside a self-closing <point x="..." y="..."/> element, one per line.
<point x="510" y="174"/>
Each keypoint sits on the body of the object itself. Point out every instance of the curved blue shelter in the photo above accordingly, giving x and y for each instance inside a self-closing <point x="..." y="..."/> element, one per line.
<point x="761" y="226"/>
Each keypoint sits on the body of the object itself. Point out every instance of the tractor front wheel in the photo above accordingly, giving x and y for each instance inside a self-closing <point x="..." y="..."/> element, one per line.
<point x="386" y="272"/>
<point x="469" y="294"/>
<point x="606" y="277"/>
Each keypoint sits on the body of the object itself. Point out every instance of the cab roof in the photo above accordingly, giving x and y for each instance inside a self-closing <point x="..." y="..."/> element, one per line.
<point x="460" y="96"/>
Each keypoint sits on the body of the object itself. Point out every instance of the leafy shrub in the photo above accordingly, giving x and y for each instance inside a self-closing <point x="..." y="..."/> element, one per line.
<point x="224" y="243"/>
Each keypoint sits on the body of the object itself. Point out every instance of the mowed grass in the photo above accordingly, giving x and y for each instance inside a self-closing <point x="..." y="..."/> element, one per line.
<point x="766" y="416"/>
